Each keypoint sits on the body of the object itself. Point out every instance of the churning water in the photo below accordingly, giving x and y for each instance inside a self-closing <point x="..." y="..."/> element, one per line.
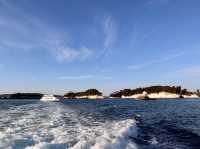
<point x="100" y="124"/>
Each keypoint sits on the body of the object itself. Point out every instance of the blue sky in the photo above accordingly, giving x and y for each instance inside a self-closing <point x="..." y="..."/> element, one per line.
<point x="58" y="46"/>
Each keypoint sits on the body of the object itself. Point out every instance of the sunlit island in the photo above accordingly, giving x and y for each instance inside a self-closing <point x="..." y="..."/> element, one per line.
<point x="21" y="96"/>
<point x="146" y="93"/>
<point x="156" y="92"/>
<point x="88" y="94"/>
<point x="152" y="92"/>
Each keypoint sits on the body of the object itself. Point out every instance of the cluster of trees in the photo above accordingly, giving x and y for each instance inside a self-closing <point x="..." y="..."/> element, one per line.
<point x="26" y="96"/>
<point x="88" y="92"/>
<point x="169" y="89"/>
<point x="152" y="89"/>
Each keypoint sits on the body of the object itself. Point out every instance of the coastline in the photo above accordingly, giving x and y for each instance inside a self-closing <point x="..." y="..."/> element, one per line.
<point x="160" y="95"/>
<point x="146" y="93"/>
<point x="156" y="92"/>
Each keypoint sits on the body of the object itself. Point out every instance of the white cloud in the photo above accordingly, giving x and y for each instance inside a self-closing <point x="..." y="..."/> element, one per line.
<point x="109" y="28"/>
<point x="138" y="66"/>
<point x="85" y="53"/>
<point x="193" y="71"/>
<point x="110" y="31"/>
<point x="85" y="77"/>
<point x="82" y="77"/>
<point x="22" y="31"/>
<point x="162" y="2"/>
<point x="69" y="54"/>
<point x="65" y="54"/>
<point x="157" y="61"/>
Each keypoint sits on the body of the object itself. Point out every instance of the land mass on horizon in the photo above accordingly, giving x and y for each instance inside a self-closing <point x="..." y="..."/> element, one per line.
<point x="151" y="92"/>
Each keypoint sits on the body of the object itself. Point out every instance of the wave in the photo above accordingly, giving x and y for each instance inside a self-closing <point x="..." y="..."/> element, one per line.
<point x="113" y="136"/>
<point x="116" y="137"/>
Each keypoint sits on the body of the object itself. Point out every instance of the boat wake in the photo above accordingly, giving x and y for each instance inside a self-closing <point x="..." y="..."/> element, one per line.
<point x="57" y="126"/>
<point x="113" y="135"/>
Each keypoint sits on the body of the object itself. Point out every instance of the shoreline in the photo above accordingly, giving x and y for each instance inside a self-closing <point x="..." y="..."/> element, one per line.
<point x="146" y="93"/>
<point x="102" y="99"/>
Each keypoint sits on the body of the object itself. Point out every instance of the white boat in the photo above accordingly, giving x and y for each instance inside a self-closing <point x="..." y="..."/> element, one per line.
<point x="49" y="98"/>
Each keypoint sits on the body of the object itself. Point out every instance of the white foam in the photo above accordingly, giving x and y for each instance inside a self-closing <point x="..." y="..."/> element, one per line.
<point x="52" y="124"/>
<point x="41" y="145"/>
<point x="113" y="135"/>
<point x="153" y="141"/>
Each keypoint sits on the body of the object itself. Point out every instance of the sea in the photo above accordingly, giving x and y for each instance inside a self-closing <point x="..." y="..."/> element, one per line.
<point x="100" y="124"/>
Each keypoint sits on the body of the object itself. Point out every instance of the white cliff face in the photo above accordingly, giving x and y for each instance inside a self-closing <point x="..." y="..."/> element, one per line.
<point x="160" y="95"/>
<point x="133" y="96"/>
<point x="163" y="95"/>
<point x="153" y="95"/>
<point x="136" y="96"/>
<point x="95" y="97"/>
<point x="81" y="97"/>
<point x="90" y="97"/>
<point x="191" y="96"/>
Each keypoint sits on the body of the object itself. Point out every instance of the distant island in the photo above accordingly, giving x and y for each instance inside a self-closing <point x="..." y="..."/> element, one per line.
<point x="88" y="94"/>
<point x="155" y="92"/>
<point x="145" y="93"/>
<point x="22" y="96"/>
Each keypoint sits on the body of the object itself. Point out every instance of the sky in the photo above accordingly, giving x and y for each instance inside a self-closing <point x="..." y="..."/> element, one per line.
<point x="70" y="45"/>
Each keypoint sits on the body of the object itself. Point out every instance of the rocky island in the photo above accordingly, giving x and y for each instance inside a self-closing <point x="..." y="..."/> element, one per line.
<point x="151" y="92"/>
<point x="21" y="96"/>
<point x="88" y="94"/>
<point x="155" y="92"/>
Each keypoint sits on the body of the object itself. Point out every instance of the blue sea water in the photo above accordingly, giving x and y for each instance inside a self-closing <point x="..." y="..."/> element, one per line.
<point x="100" y="124"/>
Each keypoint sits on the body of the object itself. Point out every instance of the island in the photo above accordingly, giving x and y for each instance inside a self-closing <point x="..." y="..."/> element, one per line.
<point x="21" y="96"/>
<point x="88" y="94"/>
<point x="145" y="93"/>
<point x="155" y="92"/>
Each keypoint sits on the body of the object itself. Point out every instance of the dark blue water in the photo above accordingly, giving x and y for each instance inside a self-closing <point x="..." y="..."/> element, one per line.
<point x="99" y="124"/>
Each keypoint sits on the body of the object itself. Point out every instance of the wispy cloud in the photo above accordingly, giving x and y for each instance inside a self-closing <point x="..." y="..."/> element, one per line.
<point x="69" y="54"/>
<point x="157" y="61"/>
<point x="22" y="31"/>
<point x="162" y="2"/>
<point x="82" y="77"/>
<point x="85" y="77"/>
<point x="193" y="71"/>
<point x="110" y="31"/>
